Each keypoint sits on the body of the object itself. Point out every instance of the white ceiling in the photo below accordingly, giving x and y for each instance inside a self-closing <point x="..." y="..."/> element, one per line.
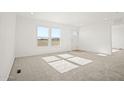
<point x="75" y="18"/>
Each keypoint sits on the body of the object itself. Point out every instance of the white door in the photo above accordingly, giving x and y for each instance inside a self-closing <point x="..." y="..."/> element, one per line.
<point x="74" y="40"/>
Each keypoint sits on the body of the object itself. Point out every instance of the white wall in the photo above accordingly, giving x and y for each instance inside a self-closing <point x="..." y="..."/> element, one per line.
<point x="26" y="42"/>
<point x="7" y="40"/>
<point x="95" y="38"/>
<point x="118" y="36"/>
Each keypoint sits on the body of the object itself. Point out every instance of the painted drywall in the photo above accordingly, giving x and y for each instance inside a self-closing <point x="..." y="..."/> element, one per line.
<point x="118" y="36"/>
<point x="7" y="40"/>
<point x="26" y="40"/>
<point x="95" y="38"/>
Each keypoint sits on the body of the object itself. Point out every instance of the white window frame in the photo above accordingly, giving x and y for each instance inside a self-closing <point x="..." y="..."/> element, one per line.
<point x="49" y="36"/>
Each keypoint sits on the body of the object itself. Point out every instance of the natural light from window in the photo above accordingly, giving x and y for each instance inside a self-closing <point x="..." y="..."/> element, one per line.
<point x="45" y="35"/>
<point x="42" y="36"/>
<point x="55" y="36"/>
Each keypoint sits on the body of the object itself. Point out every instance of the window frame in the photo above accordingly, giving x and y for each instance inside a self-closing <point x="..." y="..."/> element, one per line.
<point x="49" y="36"/>
<point x="37" y="35"/>
<point x="59" y="38"/>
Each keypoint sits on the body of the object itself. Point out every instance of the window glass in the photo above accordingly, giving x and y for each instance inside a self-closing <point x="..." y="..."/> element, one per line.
<point x="55" y="36"/>
<point x="42" y="36"/>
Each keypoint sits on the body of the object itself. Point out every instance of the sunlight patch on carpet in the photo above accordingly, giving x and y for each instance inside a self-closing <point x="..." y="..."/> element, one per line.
<point x="65" y="56"/>
<point x="101" y="54"/>
<point x="50" y="58"/>
<point x="62" y="66"/>
<point x="115" y="50"/>
<point x="80" y="61"/>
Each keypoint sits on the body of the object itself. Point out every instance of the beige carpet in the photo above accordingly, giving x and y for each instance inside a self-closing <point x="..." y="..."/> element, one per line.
<point x="106" y="68"/>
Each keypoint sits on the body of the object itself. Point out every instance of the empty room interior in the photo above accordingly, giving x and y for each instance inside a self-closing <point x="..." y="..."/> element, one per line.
<point x="62" y="46"/>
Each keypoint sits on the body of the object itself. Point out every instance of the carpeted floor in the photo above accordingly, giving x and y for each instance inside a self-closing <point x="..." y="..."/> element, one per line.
<point x="103" y="68"/>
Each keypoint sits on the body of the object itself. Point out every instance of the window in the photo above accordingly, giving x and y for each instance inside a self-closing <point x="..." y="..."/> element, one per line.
<point x="55" y="36"/>
<point x="42" y="36"/>
<point x="46" y="37"/>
